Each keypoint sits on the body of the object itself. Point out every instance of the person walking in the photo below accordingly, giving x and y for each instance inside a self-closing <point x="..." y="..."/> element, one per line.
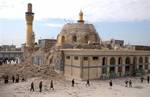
<point x="73" y="82"/>
<point x="13" y="79"/>
<point x="130" y="83"/>
<point x="148" y="79"/>
<point x="88" y="83"/>
<point x="142" y="78"/>
<point x="32" y="87"/>
<point x="17" y="78"/>
<point x="40" y="86"/>
<point x="126" y="82"/>
<point x="110" y="83"/>
<point x="51" y="85"/>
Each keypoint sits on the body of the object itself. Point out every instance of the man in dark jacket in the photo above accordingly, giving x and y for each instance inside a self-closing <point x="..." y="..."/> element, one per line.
<point x="13" y="79"/>
<point x="40" y="86"/>
<point x="32" y="87"/>
<point x="148" y="79"/>
<point x="51" y="85"/>
<point x="73" y="82"/>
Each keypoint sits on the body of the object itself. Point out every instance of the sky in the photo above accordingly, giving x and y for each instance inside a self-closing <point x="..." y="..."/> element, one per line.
<point x="127" y="20"/>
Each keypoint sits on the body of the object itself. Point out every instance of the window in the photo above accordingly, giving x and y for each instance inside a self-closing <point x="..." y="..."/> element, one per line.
<point x="104" y="60"/>
<point x="127" y="61"/>
<point x="85" y="58"/>
<point x="120" y="60"/>
<point x="95" y="58"/>
<point x="63" y="39"/>
<point x="67" y="57"/>
<point x="140" y="60"/>
<point x="76" y="57"/>
<point x="74" y="39"/>
<point x="112" y="61"/>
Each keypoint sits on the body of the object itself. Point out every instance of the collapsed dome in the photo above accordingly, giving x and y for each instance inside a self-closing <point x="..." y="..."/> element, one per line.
<point x="78" y="33"/>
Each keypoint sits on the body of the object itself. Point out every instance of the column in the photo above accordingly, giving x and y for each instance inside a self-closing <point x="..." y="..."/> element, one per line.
<point x="81" y="67"/>
<point x="99" y="67"/>
<point x="143" y="63"/>
<point x="137" y="62"/>
<point x="116" y="67"/>
<point x="123" y="67"/>
<point x="148" y="62"/>
<point x="108" y="65"/>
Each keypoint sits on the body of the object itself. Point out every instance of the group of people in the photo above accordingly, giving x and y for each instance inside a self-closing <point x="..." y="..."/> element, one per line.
<point x="130" y="83"/>
<point x="41" y="86"/>
<point x="15" y="79"/>
<point x="32" y="88"/>
<point x="142" y="79"/>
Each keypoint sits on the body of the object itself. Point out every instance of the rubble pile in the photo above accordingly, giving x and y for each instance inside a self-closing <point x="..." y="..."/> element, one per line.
<point x="29" y="70"/>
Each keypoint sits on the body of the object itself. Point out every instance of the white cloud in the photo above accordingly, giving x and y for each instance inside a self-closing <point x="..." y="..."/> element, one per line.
<point x="55" y="25"/>
<point x="95" y="10"/>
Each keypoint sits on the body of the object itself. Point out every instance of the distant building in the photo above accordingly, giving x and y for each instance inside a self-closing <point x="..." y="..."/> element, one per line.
<point x="9" y="53"/>
<point x="141" y="47"/>
<point x="46" y="43"/>
<point x="9" y="48"/>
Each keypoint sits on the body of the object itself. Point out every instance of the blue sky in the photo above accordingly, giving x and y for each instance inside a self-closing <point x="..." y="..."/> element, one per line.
<point x="128" y="20"/>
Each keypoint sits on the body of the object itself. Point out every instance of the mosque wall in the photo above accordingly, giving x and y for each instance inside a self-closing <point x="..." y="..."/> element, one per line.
<point x="91" y="65"/>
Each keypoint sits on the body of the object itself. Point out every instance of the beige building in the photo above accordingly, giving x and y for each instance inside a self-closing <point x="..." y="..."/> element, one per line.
<point x="100" y="64"/>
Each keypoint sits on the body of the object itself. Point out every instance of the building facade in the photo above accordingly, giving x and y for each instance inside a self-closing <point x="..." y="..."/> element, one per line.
<point x="101" y="64"/>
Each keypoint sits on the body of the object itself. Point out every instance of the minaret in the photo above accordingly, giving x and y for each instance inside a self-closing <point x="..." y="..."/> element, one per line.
<point x="29" y="21"/>
<point x="81" y="17"/>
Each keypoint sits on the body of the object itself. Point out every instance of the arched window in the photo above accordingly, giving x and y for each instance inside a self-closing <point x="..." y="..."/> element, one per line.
<point x="104" y="60"/>
<point x="74" y="38"/>
<point x="119" y="67"/>
<point x="86" y="38"/>
<point x="127" y="60"/>
<point x="140" y="60"/>
<point x="112" y="61"/>
<point x="63" y="39"/>
<point x="120" y="60"/>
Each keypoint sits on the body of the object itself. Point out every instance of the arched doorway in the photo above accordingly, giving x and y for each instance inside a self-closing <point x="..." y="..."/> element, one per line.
<point x="112" y="67"/>
<point x="104" y="65"/>
<point x="112" y="63"/>
<point x="104" y="68"/>
<point x="127" y="66"/>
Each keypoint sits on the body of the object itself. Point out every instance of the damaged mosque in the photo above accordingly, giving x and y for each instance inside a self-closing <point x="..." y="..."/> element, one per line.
<point x="80" y="53"/>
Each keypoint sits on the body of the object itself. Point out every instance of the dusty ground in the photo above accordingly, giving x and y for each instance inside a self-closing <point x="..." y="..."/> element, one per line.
<point x="63" y="88"/>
